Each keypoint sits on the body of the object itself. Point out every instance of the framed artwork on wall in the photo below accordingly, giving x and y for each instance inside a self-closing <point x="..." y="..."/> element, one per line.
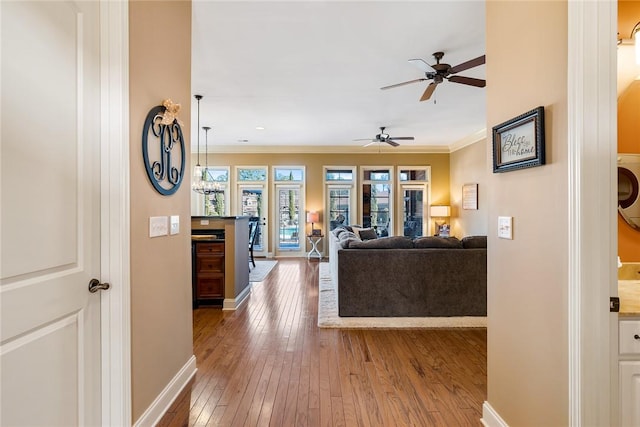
<point x="470" y="196"/>
<point x="519" y="143"/>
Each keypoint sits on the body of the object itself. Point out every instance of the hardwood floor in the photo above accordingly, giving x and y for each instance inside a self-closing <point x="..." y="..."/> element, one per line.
<point x="269" y="364"/>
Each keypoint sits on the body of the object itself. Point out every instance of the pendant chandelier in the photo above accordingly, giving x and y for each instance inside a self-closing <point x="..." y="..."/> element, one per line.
<point x="206" y="185"/>
<point x="201" y="179"/>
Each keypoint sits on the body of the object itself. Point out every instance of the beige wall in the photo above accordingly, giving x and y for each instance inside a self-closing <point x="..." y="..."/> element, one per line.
<point x="161" y="329"/>
<point x="527" y="276"/>
<point x="315" y="162"/>
<point x="469" y="166"/>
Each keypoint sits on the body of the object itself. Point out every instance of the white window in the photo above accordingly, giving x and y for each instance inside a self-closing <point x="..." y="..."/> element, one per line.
<point x="213" y="198"/>
<point x="340" y="200"/>
<point x="377" y="199"/>
<point x="253" y="200"/>
<point x="413" y="197"/>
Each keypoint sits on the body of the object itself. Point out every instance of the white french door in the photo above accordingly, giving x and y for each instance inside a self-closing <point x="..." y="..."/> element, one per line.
<point x="290" y="219"/>
<point x="340" y="206"/>
<point x="50" y="338"/>
<point x="413" y="200"/>
<point x="254" y="202"/>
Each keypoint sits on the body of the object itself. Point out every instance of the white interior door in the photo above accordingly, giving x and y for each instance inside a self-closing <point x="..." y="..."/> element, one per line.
<point x="50" y="213"/>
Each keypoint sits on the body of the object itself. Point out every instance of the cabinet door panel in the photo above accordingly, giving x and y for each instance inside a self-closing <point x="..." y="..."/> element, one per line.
<point x="630" y="393"/>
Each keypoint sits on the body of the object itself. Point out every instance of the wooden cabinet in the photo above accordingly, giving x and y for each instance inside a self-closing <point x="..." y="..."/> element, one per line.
<point x="220" y="255"/>
<point x="208" y="272"/>
<point x="629" y="343"/>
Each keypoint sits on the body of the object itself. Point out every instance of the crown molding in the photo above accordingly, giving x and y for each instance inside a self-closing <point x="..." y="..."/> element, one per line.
<point x="345" y="149"/>
<point x="328" y="149"/>
<point x="468" y="140"/>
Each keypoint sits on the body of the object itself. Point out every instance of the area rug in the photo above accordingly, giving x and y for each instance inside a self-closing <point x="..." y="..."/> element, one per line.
<point x="261" y="270"/>
<point x="328" y="313"/>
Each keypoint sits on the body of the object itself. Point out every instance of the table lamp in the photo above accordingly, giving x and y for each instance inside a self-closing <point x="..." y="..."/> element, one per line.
<point x="440" y="212"/>
<point x="313" y="217"/>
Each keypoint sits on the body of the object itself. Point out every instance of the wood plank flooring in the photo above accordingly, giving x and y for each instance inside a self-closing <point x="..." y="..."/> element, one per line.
<point x="268" y="364"/>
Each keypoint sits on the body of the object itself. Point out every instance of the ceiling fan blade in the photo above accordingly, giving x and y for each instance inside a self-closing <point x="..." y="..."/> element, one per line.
<point x="468" y="81"/>
<point x="469" y="64"/>
<point x="373" y="141"/>
<point x="402" y="84"/>
<point x="428" y="92"/>
<point x="402" y="138"/>
<point x="421" y="64"/>
<point x="392" y="143"/>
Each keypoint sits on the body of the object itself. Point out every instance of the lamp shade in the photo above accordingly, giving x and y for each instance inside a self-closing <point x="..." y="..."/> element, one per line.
<point x="440" y="211"/>
<point x="313" y="217"/>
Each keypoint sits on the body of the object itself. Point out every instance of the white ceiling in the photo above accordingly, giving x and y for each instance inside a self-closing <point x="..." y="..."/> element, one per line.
<point x="310" y="73"/>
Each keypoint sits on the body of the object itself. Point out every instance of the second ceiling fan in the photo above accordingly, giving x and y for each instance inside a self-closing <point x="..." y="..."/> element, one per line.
<point x="439" y="72"/>
<point x="385" y="137"/>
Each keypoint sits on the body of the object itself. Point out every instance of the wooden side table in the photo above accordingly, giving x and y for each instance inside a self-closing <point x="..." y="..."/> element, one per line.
<point x="314" y="240"/>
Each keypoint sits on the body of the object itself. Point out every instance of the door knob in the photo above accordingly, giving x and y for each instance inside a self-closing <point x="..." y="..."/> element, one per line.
<point x="95" y="286"/>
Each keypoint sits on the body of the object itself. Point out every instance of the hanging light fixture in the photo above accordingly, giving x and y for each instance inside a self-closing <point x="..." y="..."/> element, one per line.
<point x="197" y="170"/>
<point x="205" y="185"/>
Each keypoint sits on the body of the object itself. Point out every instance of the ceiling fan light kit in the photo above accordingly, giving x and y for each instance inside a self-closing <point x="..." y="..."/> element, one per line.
<point x="440" y="72"/>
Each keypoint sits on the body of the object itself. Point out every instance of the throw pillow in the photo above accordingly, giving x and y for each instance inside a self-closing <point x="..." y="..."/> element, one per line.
<point x="338" y="231"/>
<point x="437" y="242"/>
<point x="474" y="242"/>
<point x="346" y="238"/>
<point x="393" y="242"/>
<point x="365" y="233"/>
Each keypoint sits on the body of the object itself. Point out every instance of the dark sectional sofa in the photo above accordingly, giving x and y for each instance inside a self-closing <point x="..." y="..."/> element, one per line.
<point x="403" y="277"/>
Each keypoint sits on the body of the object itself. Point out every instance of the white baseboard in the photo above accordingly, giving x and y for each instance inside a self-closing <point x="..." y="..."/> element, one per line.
<point x="490" y="417"/>
<point x="235" y="303"/>
<point x="159" y="407"/>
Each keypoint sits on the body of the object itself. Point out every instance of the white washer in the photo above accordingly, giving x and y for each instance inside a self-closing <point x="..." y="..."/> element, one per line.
<point x="629" y="188"/>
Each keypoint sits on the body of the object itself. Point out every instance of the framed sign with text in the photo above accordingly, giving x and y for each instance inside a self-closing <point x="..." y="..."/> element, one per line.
<point x="519" y="143"/>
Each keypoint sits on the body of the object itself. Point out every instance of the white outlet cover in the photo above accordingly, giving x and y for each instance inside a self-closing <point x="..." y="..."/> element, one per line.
<point x="175" y="224"/>
<point x="505" y="227"/>
<point x="158" y="226"/>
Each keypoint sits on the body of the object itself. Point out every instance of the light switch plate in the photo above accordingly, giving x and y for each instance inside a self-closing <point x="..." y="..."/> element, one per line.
<point x="158" y="226"/>
<point x="175" y="224"/>
<point x="505" y="227"/>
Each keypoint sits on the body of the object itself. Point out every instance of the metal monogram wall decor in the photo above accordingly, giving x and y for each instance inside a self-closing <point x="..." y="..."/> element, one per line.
<point x="163" y="148"/>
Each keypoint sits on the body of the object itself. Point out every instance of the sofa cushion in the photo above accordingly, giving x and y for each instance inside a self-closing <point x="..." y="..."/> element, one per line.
<point x="345" y="239"/>
<point x="338" y="231"/>
<point x="474" y="242"/>
<point x="365" y="233"/>
<point x="393" y="242"/>
<point x="437" y="242"/>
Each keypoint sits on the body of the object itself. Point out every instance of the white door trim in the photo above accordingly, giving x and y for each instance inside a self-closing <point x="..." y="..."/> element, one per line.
<point x="592" y="149"/>
<point x="114" y="162"/>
